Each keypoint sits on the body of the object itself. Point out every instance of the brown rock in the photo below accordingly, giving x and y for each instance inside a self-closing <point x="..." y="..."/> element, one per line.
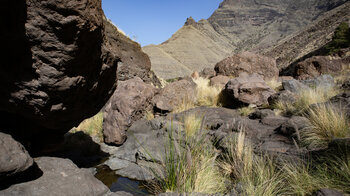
<point x="174" y="94"/>
<point x="134" y="62"/>
<point x="207" y="73"/>
<point x="57" y="66"/>
<point x="248" y="89"/>
<point x="250" y="63"/>
<point x="317" y="65"/>
<point x="219" y="81"/>
<point x="128" y="104"/>
<point x="13" y="156"/>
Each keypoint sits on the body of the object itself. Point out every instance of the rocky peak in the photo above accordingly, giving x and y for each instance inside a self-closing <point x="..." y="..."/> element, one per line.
<point x="190" y="21"/>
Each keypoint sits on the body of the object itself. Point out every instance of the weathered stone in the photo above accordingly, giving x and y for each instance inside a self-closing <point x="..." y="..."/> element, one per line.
<point x="250" y="63"/>
<point x="323" y="81"/>
<point x="293" y="86"/>
<point x="174" y="94"/>
<point x="60" y="177"/>
<point x="327" y="192"/>
<point x="248" y="89"/>
<point x="317" y="65"/>
<point x="342" y="101"/>
<point x="207" y="73"/>
<point x="293" y="126"/>
<point x="219" y="81"/>
<point x="134" y="62"/>
<point x="285" y="97"/>
<point x="58" y="67"/>
<point x="129" y="103"/>
<point x="13" y="157"/>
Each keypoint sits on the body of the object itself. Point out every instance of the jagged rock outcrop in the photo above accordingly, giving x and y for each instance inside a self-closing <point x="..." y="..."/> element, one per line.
<point x="250" y="63"/>
<point x="234" y="27"/>
<point x="134" y="62"/>
<point x="58" y="67"/>
<point x="129" y="103"/>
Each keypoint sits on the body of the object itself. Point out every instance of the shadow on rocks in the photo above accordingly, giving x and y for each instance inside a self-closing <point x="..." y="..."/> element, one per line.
<point x="81" y="149"/>
<point x="32" y="173"/>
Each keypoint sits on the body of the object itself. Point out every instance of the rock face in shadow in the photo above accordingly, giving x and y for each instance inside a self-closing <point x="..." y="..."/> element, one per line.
<point x="129" y="103"/>
<point x="60" y="177"/>
<point x="58" y="66"/>
<point x="13" y="157"/>
<point x="134" y="62"/>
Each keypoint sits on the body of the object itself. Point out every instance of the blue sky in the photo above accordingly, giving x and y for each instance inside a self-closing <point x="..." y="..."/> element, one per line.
<point x="154" y="21"/>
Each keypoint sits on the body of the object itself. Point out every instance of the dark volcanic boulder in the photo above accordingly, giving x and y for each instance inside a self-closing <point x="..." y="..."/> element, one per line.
<point x="317" y="65"/>
<point x="57" y="66"/>
<point x="60" y="177"/>
<point x="13" y="156"/>
<point x="250" y="63"/>
<point x="247" y="89"/>
<point x="134" y="62"/>
<point x="128" y="104"/>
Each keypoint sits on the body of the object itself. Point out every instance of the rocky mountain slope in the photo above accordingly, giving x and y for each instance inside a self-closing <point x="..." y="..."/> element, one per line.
<point x="235" y="26"/>
<point x="299" y="45"/>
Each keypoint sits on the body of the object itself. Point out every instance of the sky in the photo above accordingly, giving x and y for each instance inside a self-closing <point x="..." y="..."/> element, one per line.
<point x="154" y="21"/>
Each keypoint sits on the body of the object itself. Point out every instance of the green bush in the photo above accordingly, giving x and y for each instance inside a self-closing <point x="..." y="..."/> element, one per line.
<point x="341" y="39"/>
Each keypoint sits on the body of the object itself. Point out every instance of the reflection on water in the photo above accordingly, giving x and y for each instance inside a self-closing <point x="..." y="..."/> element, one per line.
<point x="118" y="183"/>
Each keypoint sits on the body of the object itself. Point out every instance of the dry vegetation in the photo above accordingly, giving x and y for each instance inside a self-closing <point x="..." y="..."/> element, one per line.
<point x="92" y="126"/>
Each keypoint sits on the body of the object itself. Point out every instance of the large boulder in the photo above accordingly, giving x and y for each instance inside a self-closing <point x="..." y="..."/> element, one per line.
<point x="58" y="67"/>
<point x="59" y="177"/>
<point x="14" y="157"/>
<point x="219" y="81"/>
<point x="317" y="65"/>
<point x="250" y="63"/>
<point x="129" y="103"/>
<point x="134" y="62"/>
<point x="175" y="94"/>
<point x="247" y="89"/>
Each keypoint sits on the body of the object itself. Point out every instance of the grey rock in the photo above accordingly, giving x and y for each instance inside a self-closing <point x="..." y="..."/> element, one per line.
<point x="14" y="157"/>
<point x="323" y="81"/>
<point x="207" y="73"/>
<point x="274" y="121"/>
<point x="219" y="81"/>
<point x="119" y="193"/>
<point x="285" y="97"/>
<point x="342" y="101"/>
<point x="327" y="192"/>
<point x="60" y="177"/>
<point x="129" y="103"/>
<point x="293" y="126"/>
<point x="293" y="86"/>
<point x="261" y="114"/>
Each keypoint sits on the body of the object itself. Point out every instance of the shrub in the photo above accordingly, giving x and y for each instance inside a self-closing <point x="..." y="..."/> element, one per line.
<point x="245" y="111"/>
<point x="328" y="122"/>
<point x="206" y="95"/>
<point x="341" y="39"/>
<point x="274" y="84"/>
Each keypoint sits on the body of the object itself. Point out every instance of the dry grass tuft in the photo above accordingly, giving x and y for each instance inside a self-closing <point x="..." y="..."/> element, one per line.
<point x="328" y="122"/>
<point x="275" y="85"/>
<point x="206" y="95"/>
<point x="92" y="126"/>
<point x="245" y="111"/>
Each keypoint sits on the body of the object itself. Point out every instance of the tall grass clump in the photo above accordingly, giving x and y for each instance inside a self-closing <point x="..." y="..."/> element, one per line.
<point x="328" y="121"/>
<point x="92" y="126"/>
<point x="305" y="98"/>
<point x="184" y="104"/>
<point x="190" y="162"/>
<point x="245" y="111"/>
<point x="206" y="95"/>
<point x="257" y="175"/>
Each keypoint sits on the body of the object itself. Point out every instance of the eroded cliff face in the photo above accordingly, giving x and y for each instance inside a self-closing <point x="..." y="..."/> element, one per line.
<point x="235" y="26"/>
<point x="57" y="69"/>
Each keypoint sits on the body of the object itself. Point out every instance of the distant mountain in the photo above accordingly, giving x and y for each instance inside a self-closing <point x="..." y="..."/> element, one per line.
<point x="237" y="25"/>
